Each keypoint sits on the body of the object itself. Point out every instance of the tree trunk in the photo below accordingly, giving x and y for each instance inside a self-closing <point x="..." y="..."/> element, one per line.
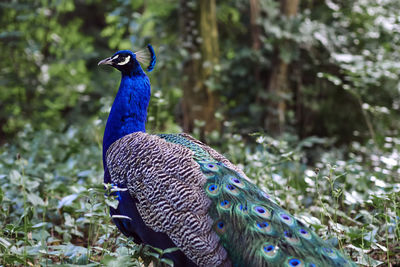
<point x="254" y="27"/>
<point x="278" y="82"/>
<point x="255" y="33"/>
<point x="200" y="39"/>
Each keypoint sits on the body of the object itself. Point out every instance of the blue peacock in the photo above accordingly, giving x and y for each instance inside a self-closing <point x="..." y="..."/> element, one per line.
<point x="182" y="193"/>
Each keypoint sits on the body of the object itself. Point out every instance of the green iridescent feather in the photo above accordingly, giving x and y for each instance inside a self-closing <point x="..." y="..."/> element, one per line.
<point x="252" y="227"/>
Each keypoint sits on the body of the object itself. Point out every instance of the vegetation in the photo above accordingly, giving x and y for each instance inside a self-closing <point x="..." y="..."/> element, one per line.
<point x="303" y="95"/>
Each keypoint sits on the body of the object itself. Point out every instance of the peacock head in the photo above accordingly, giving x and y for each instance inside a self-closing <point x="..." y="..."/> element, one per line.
<point x="128" y="62"/>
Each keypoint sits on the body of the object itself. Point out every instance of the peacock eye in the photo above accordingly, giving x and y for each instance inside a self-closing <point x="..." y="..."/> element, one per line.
<point x="294" y="262"/>
<point x="123" y="60"/>
<point x="212" y="187"/>
<point x="236" y="180"/>
<point x="262" y="225"/>
<point x="230" y="187"/>
<point x="260" y="209"/>
<point x="269" y="248"/>
<point x="224" y="203"/>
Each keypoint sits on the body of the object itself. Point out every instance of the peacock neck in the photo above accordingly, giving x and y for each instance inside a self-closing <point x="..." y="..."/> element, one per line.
<point x="129" y="111"/>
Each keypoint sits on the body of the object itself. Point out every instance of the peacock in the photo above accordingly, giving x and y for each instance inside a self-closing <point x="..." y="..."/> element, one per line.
<point x="179" y="192"/>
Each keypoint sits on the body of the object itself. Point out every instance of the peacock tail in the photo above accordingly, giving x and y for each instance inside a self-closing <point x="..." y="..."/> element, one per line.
<point x="182" y="193"/>
<point x="208" y="208"/>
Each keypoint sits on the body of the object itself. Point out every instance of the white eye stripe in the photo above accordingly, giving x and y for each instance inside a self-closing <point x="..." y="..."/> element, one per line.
<point x="125" y="61"/>
<point x="115" y="57"/>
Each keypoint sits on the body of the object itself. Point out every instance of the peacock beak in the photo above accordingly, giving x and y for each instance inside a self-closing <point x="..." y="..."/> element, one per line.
<point x="106" y="61"/>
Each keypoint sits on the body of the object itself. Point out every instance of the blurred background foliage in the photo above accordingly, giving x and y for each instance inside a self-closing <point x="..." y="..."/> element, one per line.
<point x="342" y="64"/>
<point x="304" y="95"/>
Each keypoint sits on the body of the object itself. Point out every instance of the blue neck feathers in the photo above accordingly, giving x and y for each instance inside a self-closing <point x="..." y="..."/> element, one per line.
<point x="129" y="110"/>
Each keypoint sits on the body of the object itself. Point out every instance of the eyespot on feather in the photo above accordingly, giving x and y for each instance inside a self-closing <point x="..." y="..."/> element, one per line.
<point x="286" y="218"/>
<point x="261" y="211"/>
<point x="305" y="234"/>
<point x="220" y="227"/>
<point x="225" y="204"/>
<point x="270" y="251"/>
<point x="209" y="166"/>
<point x="231" y="189"/>
<point x="264" y="227"/>
<point x="293" y="262"/>
<point x="237" y="182"/>
<point x="212" y="189"/>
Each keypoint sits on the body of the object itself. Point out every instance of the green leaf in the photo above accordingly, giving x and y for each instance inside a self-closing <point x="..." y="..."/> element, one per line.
<point x="4" y="242"/>
<point x="170" y="250"/>
<point x="35" y="199"/>
<point x="366" y="260"/>
<point x="169" y="262"/>
<point x="66" y="201"/>
<point x="15" y="177"/>
<point x="112" y="203"/>
<point x="153" y="254"/>
<point x="39" y="225"/>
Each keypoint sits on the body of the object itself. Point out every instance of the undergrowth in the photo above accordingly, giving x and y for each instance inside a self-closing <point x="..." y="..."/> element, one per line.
<point x="55" y="209"/>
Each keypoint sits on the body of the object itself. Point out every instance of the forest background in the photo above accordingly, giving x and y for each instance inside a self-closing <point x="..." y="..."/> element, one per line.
<point x="303" y="95"/>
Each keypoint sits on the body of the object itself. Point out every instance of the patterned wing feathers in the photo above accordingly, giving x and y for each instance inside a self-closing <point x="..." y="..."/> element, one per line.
<point x="168" y="185"/>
